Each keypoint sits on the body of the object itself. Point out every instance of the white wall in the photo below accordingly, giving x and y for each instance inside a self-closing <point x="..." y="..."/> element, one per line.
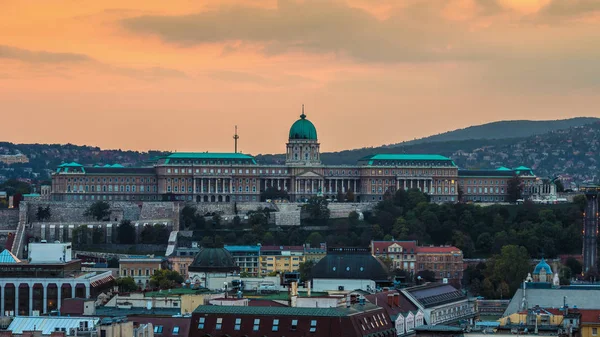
<point x="349" y="285"/>
<point x="50" y="252"/>
<point x="319" y="302"/>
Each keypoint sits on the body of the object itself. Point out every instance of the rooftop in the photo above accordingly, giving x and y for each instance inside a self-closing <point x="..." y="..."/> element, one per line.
<point x="114" y="312"/>
<point x="7" y="257"/>
<point x="405" y="157"/>
<point x="438" y="249"/>
<point x="208" y="156"/>
<point x="242" y="248"/>
<point x="49" y="324"/>
<point x="285" y="311"/>
<point x="434" y="294"/>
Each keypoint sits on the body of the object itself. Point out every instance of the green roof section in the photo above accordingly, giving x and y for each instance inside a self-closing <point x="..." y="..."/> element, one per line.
<point x="209" y="156"/>
<point x="71" y="164"/>
<point x="284" y="311"/>
<point x="303" y="128"/>
<point x="502" y="168"/>
<point x="522" y="168"/>
<point x="406" y="157"/>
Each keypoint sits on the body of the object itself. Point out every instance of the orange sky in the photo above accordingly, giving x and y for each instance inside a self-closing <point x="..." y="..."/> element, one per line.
<point x="178" y="75"/>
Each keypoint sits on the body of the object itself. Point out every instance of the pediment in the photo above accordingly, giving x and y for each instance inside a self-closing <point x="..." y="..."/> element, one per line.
<point x="309" y="174"/>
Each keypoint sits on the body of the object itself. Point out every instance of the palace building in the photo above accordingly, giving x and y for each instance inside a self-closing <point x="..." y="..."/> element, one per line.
<point x="237" y="177"/>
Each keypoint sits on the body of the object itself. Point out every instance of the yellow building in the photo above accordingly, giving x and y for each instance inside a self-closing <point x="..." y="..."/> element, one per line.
<point x="280" y="259"/>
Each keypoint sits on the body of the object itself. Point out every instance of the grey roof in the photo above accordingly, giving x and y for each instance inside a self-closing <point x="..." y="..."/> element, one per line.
<point x="350" y="265"/>
<point x="286" y="311"/>
<point x="434" y="294"/>
<point x="582" y="297"/>
<point x="49" y="324"/>
<point x="213" y="259"/>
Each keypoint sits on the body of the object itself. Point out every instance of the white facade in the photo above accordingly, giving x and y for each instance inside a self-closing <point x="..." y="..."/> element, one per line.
<point x="343" y="284"/>
<point x="50" y="252"/>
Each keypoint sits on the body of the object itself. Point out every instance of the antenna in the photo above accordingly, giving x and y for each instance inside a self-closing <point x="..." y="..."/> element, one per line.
<point x="235" y="139"/>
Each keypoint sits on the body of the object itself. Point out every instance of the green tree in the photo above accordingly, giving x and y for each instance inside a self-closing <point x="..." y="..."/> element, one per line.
<point x="100" y="210"/>
<point x="559" y="186"/>
<point x="510" y="266"/>
<point x="315" y="239"/>
<point x="305" y="270"/>
<point x="43" y="213"/>
<point x="237" y="221"/>
<point x="350" y="196"/>
<point x="574" y="265"/>
<point x="514" y="189"/>
<point x="80" y="235"/>
<point x="126" y="284"/>
<point x="317" y="210"/>
<point x="126" y="232"/>
<point x="187" y="219"/>
<point x="273" y="193"/>
<point x="165" y="279"/>
<point x="580" y="201"/>
<point x="98" y="235"/>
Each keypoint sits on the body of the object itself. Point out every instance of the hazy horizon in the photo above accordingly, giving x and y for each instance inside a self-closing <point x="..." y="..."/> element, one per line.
<point x="180" y="75"/>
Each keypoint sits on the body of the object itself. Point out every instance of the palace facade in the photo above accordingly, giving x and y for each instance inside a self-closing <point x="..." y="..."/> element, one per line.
<point x="237" y="177"/>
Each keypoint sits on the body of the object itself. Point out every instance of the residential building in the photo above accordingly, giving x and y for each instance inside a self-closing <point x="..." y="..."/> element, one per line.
<point x="166" y="326"/>
<point x="140" y="268"/>
<point x="315" y="254"/>
<point x="360" y="319"/>
<point x="237" y="177"/>
<point x="181" y="259"/>
<point x="123" y="327"/>
<point x="247" y="258"/>
<point x="18" y="158"/>
<point x="403" y="254"/>
<point x="446" y="262"/>
<point x="280" y="259"/>
<point x="441" y="303"/>
<point x="347" y="269"/>
<point x="492" y="185"/>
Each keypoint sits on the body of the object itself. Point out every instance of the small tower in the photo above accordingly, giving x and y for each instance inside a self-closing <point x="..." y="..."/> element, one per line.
<point x="303" y="145"/>
<point x="235" y="139"/>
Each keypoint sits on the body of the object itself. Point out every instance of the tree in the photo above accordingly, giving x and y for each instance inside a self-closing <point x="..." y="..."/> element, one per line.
<point x="100" y="210"/>
<point x="237" y="221"/>
<point x="574" y="265"/>
<point x="317" y="210"/>
<point x="126" y="232"/>
<point x="514" y="189"/>
<point x="155" y="234"/>
<point x="350" y="196"/>
<point x="43" y="213"/>
<point x="165" y="279"/>
<point x="187" y="219"/>
<point x="510" y="266"/>
<point x="97" y="235"/>
<point x="305" y="270"/>
<point x="315" y="239"/>
<point x="559" y="186"/>
<point x="80" y="235"/>
<point x="126" y="284"/>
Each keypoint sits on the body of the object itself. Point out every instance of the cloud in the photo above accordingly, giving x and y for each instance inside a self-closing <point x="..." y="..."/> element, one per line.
<point x="570" y="7"/>
<point x="8" y="52"/>
<point x="61" y="63"/>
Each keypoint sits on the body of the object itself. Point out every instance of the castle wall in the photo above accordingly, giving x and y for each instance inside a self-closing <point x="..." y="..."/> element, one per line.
<point x="9" y="219"/>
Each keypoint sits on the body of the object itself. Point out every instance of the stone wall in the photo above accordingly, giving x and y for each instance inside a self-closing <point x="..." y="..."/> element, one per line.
<point x="342" y="210"/>
<point x="9" y="219"/>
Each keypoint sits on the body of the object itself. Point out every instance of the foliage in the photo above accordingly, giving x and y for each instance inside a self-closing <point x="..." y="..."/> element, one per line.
<point x="514" y="189"/>
<point x="574" y="266"/>
<point x="155" y="234"/>
<point x="43" y="213"/>
<point x="187" y="217"/>
<point x="126" y="284"/>
<point x="97" y="236"/>
<point x="426" y="275"/>
<point x="165" y="279"/>
<point x="100" y="210"/>
<point x="126" y="232"/>
<point x="505" y="272"/>
<point x="317" y="210"/>
<point x="80" y="235"/>
<point x="305" y="270"/>
<point x="315" y="239"/>
<point x="13" y="187"/>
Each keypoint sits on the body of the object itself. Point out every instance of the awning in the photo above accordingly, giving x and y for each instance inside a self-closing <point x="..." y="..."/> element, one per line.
<point x="102" y="281"/>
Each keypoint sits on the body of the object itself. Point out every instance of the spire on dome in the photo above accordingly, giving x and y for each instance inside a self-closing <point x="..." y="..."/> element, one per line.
<point x="303" y="116"/>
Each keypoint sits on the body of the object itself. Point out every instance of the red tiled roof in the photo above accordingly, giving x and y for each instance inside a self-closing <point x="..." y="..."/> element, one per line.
<point x="437" y="249"/>
<point x="381" y="299"/>
<point x="264" y="303"/>
<point x="589" y="316"/>
<point x="382" y="246"/>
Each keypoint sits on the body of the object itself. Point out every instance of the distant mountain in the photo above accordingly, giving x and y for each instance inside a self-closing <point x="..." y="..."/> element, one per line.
<point x="567" y="148"/>
<point x="505" y="129"/>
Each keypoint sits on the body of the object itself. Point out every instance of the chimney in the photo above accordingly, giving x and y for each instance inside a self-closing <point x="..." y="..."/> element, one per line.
<point x="390" y="300"/>
<point x="348" y="301"/>
<point x="308" y="285"/>
<point x="397" y="299"/>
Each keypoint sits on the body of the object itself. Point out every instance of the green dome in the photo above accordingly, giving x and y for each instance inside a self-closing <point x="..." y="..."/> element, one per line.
<point x="303" y="129"/>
